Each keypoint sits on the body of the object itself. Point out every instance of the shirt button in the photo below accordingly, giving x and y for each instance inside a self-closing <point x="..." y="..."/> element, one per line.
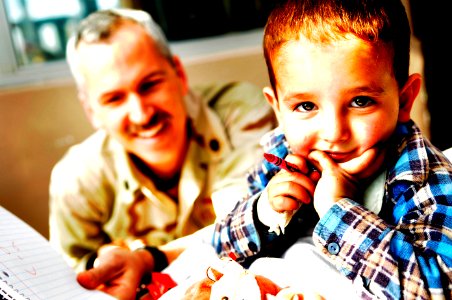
<point x="333" y="248"/>
<point x="126" y="184"/>
<point x="214" y="145"/>
<point x="252" y="246"/>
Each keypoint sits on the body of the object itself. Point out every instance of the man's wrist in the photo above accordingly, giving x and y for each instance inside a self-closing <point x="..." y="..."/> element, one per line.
<point x="159" y="257"/>
<point x="90" y="261"/>
<point x="91" y="258"/>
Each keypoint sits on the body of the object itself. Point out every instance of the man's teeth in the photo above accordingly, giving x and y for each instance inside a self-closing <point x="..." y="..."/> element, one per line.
<point x="150" y="131"/>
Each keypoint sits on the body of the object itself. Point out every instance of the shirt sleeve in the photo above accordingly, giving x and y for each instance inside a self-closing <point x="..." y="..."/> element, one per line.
<point x="242" y="236"/>
<point x="411" y="260"/>
<point x="77" y="210"/>
<point x="246" y="117"/>
<point x="235" y="235"/>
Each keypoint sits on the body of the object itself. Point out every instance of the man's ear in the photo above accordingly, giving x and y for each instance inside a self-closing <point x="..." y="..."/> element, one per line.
<point x="83" y="98"/>
<point x="180" y="70"/>
<point x="407" y="96"/>
<point x="271" y="98"/>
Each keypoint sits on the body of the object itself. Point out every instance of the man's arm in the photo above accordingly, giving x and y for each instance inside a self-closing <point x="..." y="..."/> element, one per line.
<point x="245" y="116"/>
<point x="76" y="210"/>
<point x="120" y="271"/>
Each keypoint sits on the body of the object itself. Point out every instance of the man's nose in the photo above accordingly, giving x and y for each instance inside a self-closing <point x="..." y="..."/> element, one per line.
<point x="138" y="109"/>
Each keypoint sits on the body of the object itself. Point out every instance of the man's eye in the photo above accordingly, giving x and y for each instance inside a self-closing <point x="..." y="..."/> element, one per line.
<point x="112" y="99"/>
<point x="146" y="87"/>
<point x="361" y="102"/>
<point x="305" y="106"/>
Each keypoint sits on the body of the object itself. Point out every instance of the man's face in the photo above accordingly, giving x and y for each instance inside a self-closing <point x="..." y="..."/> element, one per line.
<point x="136" y="95"/>
<point x="340" y="98"/>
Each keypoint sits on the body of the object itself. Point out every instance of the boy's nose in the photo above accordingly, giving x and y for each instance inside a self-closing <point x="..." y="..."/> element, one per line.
<point x="334" y="128"/>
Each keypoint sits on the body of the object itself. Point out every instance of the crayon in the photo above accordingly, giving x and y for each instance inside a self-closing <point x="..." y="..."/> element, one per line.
<point x="282" y="163"/>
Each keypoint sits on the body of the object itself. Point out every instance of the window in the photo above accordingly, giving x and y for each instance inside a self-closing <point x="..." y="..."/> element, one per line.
<point x="34" y="32"/>
<point x="40" y="28"/>
<point x="34" y="35"/>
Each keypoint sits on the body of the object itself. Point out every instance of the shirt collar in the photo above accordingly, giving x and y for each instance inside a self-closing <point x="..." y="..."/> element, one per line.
<point x="411" y="153"/>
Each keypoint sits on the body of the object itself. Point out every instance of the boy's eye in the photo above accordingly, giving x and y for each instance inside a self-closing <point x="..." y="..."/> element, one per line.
<point x="305" y="106"/>
<point x="361" y="102"/>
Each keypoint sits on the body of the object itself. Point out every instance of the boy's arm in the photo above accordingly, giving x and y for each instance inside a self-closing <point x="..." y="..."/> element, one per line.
<point x="241" y="235"/>
<point x="409" y="260"/>
<point x="235" y="234"/>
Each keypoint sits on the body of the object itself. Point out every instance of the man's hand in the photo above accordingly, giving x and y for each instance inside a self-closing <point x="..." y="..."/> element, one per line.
<point x="117" y="271"/>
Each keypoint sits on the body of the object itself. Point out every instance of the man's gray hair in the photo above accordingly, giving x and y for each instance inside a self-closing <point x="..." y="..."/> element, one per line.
<point x="99" y="26"/>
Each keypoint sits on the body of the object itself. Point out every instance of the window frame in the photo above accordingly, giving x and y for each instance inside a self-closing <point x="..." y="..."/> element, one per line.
<point x="11" y="74"/>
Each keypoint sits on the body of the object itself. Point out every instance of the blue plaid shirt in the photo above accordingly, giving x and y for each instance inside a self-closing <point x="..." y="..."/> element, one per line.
<point x="405" y="252"/>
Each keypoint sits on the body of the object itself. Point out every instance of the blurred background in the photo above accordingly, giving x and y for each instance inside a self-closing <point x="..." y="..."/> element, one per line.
<point x="40" y="116"/>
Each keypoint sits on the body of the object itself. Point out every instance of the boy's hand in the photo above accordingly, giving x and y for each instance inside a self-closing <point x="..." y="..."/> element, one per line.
<point x="287" y="191"/>
<point x="340" y="180"/>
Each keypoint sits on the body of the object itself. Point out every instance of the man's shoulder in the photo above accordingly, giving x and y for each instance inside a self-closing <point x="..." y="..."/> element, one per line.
<point x="93" y="145"/>
<point x="90" y="153"/>
<point x="86" y="172"/>
<point x="217" y="93"/>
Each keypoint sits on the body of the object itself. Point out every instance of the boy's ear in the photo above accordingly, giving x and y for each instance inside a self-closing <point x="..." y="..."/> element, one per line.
<point x="407" y="96"/>
<point x="271" y="98"/>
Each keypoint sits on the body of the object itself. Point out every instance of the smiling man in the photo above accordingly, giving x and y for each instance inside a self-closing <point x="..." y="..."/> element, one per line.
<point x="163" y="154"/>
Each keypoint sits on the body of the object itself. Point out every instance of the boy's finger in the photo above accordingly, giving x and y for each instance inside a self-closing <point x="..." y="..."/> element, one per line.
<point x="301" y="163"/>
<point x="321" y="160"/>
<point x="287" y="196"/>
<point x="293" y="185"/>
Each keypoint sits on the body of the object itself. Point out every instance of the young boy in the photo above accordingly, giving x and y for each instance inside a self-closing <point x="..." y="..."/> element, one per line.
<point x="342" y="93"/>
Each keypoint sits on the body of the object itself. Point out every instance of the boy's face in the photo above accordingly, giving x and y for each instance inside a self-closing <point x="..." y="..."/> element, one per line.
<point x="340" y="98"/>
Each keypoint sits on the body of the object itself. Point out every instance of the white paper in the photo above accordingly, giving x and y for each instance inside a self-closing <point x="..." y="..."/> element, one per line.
<point x="30" y="267"/>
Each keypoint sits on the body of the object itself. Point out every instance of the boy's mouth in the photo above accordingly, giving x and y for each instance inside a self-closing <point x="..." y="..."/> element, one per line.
<point x="339" y="157"/>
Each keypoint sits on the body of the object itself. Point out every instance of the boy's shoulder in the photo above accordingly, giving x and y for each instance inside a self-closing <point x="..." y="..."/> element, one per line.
<point x="417" y="160"/>
<point x="448" y="153"/>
